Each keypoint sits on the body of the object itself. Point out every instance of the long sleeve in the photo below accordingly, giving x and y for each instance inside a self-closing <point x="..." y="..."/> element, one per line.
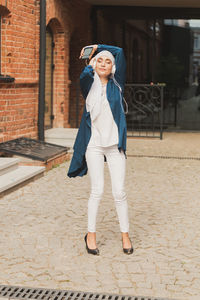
<point x="86" y="80"/>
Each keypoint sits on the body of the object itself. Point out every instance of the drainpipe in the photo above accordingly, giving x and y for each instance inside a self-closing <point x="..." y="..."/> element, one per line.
<point x="41" y="102"/>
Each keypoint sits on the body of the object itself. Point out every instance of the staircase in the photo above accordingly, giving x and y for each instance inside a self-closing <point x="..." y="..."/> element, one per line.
<point x="12" y="174"/>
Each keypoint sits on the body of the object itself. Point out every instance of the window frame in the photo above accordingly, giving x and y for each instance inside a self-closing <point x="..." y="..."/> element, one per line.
<point x="3" y="77"/>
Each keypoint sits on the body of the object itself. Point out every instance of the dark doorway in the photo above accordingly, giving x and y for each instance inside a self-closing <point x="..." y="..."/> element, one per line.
<point x="162" y="45"/>
<point x="135" y="61"/>
<point x="48" y="121"/>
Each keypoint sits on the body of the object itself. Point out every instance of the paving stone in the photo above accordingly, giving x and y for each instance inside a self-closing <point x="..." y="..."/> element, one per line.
<point x="134" y="268"/>
<point x="145" y="292"/>
<point x="124" y="283"/>
<point x="144" y="284"/>
<point x="168" y="279"/>
<point x="42" y="226"/>
<point x="128" y="291"/>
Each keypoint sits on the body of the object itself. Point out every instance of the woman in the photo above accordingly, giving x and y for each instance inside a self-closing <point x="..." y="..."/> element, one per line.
<point x="102" y="134"/>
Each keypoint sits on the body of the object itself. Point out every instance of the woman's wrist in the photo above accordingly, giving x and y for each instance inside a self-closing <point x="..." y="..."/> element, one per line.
<point x="93" y="46"/>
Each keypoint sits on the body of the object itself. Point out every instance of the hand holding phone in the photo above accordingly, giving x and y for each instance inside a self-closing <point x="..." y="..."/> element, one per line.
<point x="88" y="51"/>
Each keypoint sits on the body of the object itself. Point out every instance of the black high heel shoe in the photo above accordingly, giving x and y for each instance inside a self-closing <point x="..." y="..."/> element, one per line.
<point x="91" y="251"/>
<point x="128" y="250"/>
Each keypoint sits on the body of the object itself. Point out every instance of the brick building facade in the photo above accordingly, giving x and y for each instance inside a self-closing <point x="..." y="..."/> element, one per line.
<point x="69" y="24"/>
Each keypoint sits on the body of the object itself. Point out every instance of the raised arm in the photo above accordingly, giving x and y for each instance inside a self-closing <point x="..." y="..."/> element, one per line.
<point x="118" y="53"/>
<point x="87" y="76"/>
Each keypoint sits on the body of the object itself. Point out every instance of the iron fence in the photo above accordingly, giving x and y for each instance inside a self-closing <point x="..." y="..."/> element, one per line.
<point x="145" y="110"/>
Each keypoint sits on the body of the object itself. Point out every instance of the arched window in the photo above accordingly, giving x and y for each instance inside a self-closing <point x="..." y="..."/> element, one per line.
<point x="55" y="103"/>
<point x="4" y="12"/>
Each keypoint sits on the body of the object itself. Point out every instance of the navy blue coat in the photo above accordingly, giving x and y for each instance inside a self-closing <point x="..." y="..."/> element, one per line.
<point x="78" y="166"/>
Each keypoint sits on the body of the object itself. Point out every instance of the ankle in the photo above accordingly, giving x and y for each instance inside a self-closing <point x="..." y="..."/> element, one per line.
<point x="91" y="234"/>
<point x="125" y="235"/>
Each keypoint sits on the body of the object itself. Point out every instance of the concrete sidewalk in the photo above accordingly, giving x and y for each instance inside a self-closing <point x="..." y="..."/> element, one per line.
<point x="174" y="144"/>
<point x="43" y="224"/>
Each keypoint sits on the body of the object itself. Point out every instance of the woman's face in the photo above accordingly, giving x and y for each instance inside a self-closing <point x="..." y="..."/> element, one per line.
<point x="103" y="66"/>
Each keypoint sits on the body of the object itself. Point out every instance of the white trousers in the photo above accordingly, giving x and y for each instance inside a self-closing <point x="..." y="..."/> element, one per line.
<point x="117" y="167"/>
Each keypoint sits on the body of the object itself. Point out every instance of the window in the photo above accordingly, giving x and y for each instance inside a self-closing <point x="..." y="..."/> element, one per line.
<point x="3" y="13"/>
<point x="196" y="42"/>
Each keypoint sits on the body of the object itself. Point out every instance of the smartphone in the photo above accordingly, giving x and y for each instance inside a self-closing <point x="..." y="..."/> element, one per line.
<point x="87" y="52"/>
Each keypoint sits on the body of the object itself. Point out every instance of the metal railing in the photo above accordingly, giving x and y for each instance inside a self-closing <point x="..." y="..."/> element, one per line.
<point x="145" y="110"/>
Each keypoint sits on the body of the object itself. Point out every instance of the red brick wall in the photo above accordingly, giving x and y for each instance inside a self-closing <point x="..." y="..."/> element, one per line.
<point x="20" y="59"/>
<point x="18" y="100"/>
<point x="74" y="33"/>
<point x="18" y="113"/>
<point x="19" y="41"/>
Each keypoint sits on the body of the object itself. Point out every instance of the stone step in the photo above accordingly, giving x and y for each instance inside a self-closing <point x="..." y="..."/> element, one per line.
<point x="19" y="175"/>
<point x="8" y="164"/>
<point x="61" y="142"/>
<point x="61" y="136"/>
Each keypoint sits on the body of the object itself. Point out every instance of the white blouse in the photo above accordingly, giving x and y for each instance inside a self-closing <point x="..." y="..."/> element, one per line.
<point x="104" y="129"/>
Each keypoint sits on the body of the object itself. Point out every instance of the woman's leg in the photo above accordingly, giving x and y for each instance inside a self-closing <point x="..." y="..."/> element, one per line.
<point x="95" y="163"/>
<point x="117" y="167"/>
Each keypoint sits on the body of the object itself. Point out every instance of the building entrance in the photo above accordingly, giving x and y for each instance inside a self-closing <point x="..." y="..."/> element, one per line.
<point x="178" y="65"/>
<point x="162" y="50"/>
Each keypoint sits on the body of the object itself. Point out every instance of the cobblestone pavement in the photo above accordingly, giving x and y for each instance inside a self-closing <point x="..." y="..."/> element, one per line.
<point x="42" y="226"/>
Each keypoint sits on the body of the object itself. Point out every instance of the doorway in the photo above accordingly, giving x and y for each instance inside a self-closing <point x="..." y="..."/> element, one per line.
<point x="162" y="46"/>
